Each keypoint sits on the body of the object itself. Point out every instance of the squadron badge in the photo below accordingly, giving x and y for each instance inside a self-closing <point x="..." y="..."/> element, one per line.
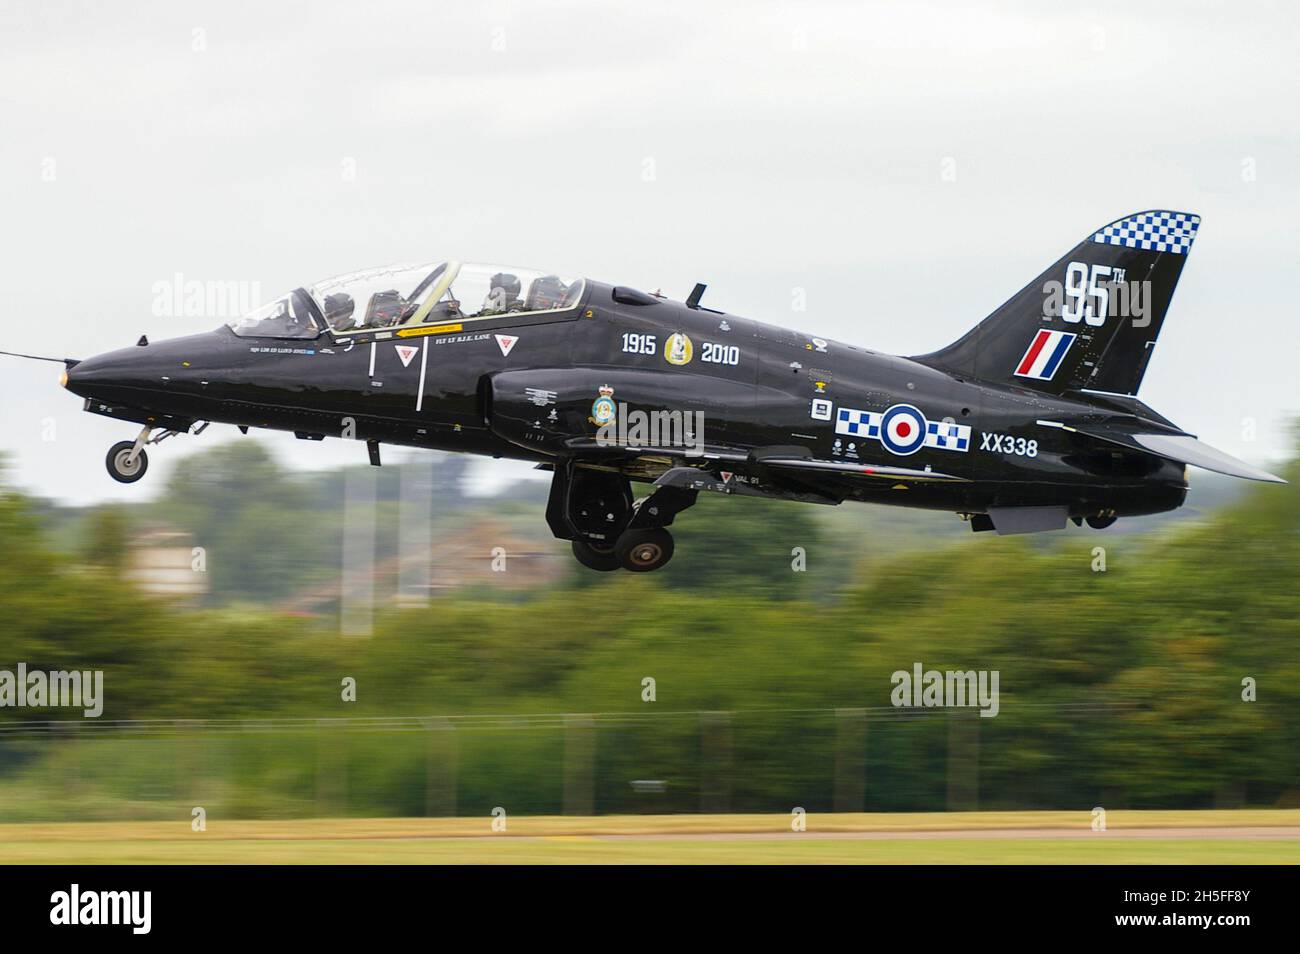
<point x="678" y="349"/>
<point x="603" y="408"/>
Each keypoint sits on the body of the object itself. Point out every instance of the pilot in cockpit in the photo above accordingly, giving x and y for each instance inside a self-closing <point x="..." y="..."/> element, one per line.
<point x="297" y="324"/>
<point x="385" y="309"/>
<point x="338" y="311"/>
<point x="447" y="309"/>
<point x="503" y="295"/>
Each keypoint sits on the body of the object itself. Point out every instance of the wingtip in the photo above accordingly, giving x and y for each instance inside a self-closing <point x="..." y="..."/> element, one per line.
<point x="1262" y="476"/>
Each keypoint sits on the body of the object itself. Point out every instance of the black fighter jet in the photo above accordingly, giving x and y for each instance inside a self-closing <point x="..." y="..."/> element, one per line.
<point x="1028" y="421"/>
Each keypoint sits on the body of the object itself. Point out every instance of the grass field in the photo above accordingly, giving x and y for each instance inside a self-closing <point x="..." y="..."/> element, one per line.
<point x="1209" y="837"/>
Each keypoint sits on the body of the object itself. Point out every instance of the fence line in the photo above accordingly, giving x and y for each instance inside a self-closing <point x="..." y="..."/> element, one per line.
<point x="545" y="720"/>
<point x="331" y="770"/>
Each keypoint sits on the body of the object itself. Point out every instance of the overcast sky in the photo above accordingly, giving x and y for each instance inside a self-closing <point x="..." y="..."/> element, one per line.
<point x="904" y="167"/>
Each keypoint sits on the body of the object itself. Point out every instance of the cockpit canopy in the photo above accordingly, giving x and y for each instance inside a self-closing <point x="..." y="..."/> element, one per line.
<point x="410" y="295"/>
<point x="289" y="317"/>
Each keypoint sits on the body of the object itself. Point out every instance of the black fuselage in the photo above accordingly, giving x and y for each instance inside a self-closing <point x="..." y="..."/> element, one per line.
<point x="463" y="389"/>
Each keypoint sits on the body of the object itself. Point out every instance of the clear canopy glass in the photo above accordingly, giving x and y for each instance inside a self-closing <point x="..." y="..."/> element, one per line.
<point x="439" y="293"/>
<point x="287" y="317"/>
<point x="376" y="297"/>
<point x="434" y="293"/>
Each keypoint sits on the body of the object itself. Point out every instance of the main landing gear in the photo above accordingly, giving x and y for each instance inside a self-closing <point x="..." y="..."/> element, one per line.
<point x="595" y="556"/>
<point x="637" y="550"/>
<point x="643" y="550"/>
<point x="127" y="461"/>
<point x="1098" y="521"/>
<point x="594" y="510"/>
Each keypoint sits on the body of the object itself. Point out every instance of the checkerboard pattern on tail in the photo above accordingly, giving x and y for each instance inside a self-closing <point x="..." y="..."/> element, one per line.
<point x="1155" y="231"/>
<point x="1090" y="321"/>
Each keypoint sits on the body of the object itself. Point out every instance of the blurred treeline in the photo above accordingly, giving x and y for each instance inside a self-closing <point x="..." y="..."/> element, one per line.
<point x="772" y="688"/>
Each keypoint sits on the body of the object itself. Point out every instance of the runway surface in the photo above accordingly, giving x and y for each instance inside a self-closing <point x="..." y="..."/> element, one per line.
<point x="1211" y="837"/>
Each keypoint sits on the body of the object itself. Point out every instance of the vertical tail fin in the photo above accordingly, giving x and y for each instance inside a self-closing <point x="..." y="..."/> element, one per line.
<point x="1088" y="322"/>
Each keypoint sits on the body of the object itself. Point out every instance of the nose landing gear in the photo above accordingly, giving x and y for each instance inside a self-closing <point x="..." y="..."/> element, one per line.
<point x="127" y="461"/>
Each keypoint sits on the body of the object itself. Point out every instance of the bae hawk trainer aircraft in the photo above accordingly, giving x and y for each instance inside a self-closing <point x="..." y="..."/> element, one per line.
<point x="1026" y="422"/>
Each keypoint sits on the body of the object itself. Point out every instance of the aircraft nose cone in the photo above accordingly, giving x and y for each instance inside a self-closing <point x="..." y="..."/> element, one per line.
<point x="117" y="375"/>
<point x="97" y="372"/>
<point x="72" y="379"/>
<point x="137" y="375"/>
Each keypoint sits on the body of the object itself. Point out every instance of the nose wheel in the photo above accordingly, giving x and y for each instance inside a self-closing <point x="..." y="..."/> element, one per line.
<point x="126" y="462"/>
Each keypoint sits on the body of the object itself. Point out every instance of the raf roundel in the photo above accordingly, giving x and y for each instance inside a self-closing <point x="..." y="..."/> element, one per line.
<point x="902" y="429"/>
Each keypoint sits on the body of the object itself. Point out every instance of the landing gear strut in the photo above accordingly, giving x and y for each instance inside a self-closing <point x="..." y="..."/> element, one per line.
<point x="127" y="461"/>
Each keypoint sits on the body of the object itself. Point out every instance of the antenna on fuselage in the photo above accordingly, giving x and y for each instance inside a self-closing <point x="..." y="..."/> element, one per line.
<point x="693" y="299"/>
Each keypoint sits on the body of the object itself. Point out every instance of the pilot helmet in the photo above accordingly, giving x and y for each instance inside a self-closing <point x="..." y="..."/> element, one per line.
<point x="338" y="309"/>
<point x="507" y="282"/>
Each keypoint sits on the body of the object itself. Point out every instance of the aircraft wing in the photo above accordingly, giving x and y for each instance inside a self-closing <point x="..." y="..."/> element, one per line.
<point x="588" y="447"/>
<point x="878" y="471"/>
<point x="1172" y="445"/>
<point x="792" y="460"/>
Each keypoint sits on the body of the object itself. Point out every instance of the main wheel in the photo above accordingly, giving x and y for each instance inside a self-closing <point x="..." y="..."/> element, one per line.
<point x="644" y="550"/>
<point x="1099" y="522"/>
<point x="595" y="557"/>
<point x="120" y="465"/>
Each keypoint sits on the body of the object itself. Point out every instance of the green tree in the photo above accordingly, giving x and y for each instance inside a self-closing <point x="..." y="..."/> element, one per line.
<point x="107" y="531"/>
<point x="745" y="546"/>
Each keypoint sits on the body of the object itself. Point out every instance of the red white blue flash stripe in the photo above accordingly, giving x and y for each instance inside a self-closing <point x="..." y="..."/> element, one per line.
<point x="1045" y="354"/>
